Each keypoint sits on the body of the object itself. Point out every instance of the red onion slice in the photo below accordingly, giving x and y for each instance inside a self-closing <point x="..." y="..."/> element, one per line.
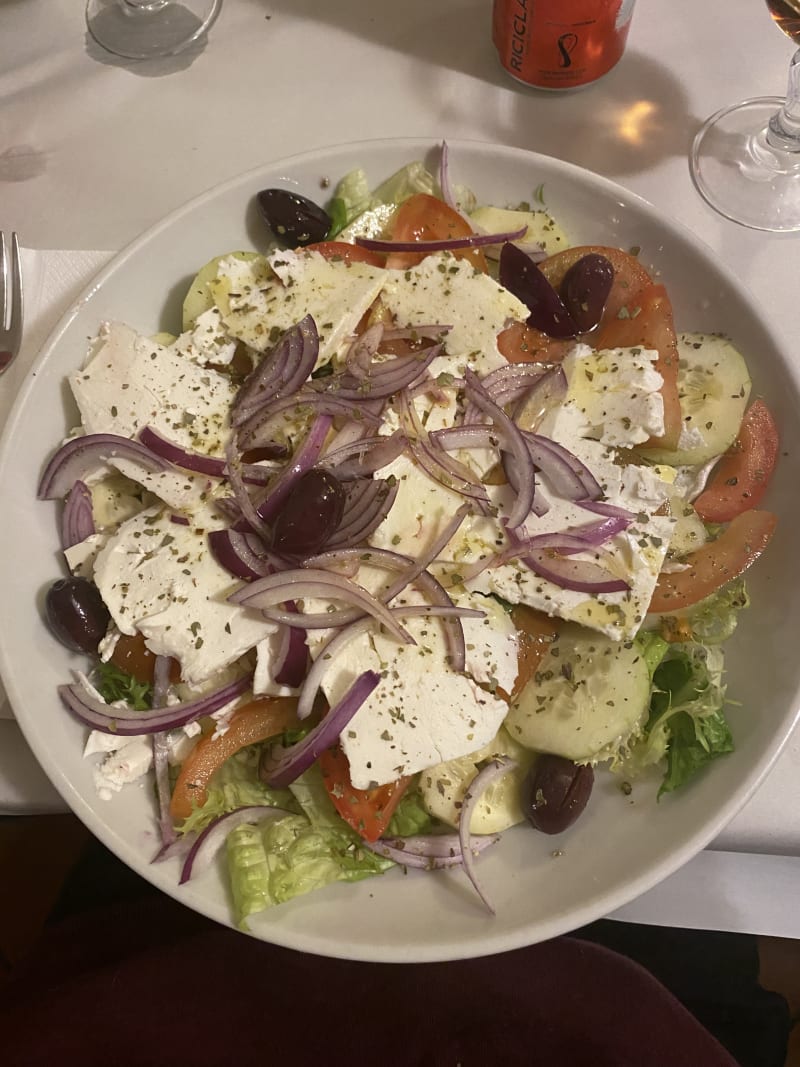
<point x="202" y="464"/>
<point x="81" y="456"/>
<point x="281" y="373"/>
<point x="433" y="852"/>
<point x="514" y="441"/>
<point x="358" y="523"/>
<point x="473" y="240"/>
<point x="291" y="762"/>
<point x="77" y="519"/>
<point x="382" y="379"/>
<point x="363" y="350"/>
<point x="569" y="476"/>
<point x="255" y="433"/>
<point x="291" y="659"/>
<point x="319" y="584"/>
<point x="244" y="555"/>
<point x="160" y="741"/>
<point x="126" y="722"/>
<point x="364" y="456"/>
<point x="550" y="389"/>
<point x="212" y="837"/>
<point x="250" y="514"/>
<point x="499" y="766"/>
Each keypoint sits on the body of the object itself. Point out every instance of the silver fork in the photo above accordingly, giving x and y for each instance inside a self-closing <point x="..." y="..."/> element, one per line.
<point x="10" y="302"/>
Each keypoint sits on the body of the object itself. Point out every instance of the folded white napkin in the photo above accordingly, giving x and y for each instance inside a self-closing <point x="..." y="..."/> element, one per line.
<point x="51" y="281"/>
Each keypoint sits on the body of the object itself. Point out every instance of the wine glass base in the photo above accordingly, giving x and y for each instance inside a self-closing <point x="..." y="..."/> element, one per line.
<point x="740" y="175"/>
<point x="151" y="30"/>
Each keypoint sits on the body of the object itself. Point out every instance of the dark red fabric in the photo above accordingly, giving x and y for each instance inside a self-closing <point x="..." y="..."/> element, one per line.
<point x="150" y="983"/>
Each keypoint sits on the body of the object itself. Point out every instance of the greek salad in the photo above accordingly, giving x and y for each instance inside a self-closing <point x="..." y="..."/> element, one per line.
<point x="426" y="513"/>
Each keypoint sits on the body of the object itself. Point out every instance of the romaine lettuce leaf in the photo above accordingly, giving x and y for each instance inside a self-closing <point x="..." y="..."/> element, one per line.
<point x="410" y="816"/>
<point x="279" y="859"/>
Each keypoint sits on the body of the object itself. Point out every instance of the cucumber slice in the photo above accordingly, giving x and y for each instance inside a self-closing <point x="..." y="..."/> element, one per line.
<point x="444" y="786"/>
<point x="588" y="697"/>
<point x="541" y="227"/>
<point x="714" y="387"/>
<point x="199" y="298"/>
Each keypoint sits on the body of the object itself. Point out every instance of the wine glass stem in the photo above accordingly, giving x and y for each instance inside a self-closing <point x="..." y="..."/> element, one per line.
<point x="784" y="127"/>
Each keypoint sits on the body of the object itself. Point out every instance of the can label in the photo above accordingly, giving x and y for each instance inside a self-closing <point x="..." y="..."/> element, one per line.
<point x="560" y="44"/>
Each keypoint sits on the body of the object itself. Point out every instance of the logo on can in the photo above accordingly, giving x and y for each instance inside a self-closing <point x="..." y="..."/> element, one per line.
<point x="560" y="44"/>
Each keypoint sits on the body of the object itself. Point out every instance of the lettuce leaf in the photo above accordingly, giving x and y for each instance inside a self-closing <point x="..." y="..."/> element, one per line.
<point x="279" y="859"/>
<point x="714" y="619"/>
<point x="410" y="816"/>
<point x="114" y="684"/>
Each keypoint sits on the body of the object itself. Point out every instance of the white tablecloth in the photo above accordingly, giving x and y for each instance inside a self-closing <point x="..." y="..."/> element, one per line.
<point x="94" y="149"/>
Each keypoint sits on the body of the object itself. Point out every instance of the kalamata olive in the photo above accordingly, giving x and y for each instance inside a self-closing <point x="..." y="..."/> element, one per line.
<point x="76" y="613"/>
<point x="294" y="219"/>
<point x="585" y="288"/>
<point x="555" y="792"/>
<point x="520" y="275"/>
<point x="310" y="515"/>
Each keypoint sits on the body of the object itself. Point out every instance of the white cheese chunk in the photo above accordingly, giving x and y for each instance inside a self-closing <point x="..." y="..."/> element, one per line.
<point x="258" y="309"/>
<point x="160" y="578"/>
<point x="208" y="340"/>
<point x="131" y="382"/>
<point x="448" y="291"/>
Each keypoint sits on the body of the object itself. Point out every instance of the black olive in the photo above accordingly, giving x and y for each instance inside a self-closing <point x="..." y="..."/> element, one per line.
<point x="294" y="219"/>
<point x="520" y="275"/>
<point x="555" y="792"/>
<point x="76" y="614"/>
<point x="585" y="288"/>
<point x="310" y="515"/>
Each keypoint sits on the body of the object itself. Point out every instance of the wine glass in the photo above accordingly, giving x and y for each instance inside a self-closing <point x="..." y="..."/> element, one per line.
<point x="145" y="29"/>
<point x="745" y="160"/>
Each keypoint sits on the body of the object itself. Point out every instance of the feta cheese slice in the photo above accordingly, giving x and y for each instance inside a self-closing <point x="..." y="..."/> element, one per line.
<point x="132" y="381"/>
<point x="161" y="579"/>
<point x="446" y="290"/>
<point x="257" y="308"/>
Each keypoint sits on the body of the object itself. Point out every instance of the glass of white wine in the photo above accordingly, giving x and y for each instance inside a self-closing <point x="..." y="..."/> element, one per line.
<point x="745" y="160"/>
<point x="145" y="29"/>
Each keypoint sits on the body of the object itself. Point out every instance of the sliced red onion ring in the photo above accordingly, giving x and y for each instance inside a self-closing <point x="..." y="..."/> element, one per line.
<point x="126" y="722"/>
<point x="291" y="762"/>
<point x="364" y="456"/>
<point x="431" y="852"/>
<point x="291" y="659"/>
<point x="569" y="476"/>
<point x="212" y="837"/>
<point x="357" y="523"/>
<point x="319" y="584"/>
<point x="269" y="502"/>
<point x="255" y="433"/>
<point x="250" y="514"/>
<point x="548" y="555"/>
<point x="281" y="373"/>
<point x="602" y="507"/>
<point x="77" y="519"/>
<point x="244" y="555"/>
<point x="473" y="240"/>
<point x="444" y="178"/>
<point x="514" y="441"/>
<point x="81" y="456"/>
<point x="499" y="766"/>
<point x="210" y="465"/>
<point x="506" y="383"/>
<point x="363" y="350"/>
<point x="382" y="379"/>
<point x="549" y="390"/>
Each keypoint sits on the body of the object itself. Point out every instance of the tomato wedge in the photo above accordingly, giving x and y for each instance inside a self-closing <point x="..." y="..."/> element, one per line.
<point x="525" y="344"/>
<point x="347" y="252"/>
<point x="716" y="563"/>
<point x="647" y="321"/>
<point x="741" y="477"/>
<point x="133" y="656"/>
<point x="367" y="811"/>
<point x="257" y="721"/>
<point x="426" y="218"/>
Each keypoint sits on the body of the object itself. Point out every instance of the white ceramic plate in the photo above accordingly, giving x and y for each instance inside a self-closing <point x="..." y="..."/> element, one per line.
<point x="541" y="886"/>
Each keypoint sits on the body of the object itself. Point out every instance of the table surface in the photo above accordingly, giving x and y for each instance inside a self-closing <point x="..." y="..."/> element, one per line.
<point x="94" y="149"/>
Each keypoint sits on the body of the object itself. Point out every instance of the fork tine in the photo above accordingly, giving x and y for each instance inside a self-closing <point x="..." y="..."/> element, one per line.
<point x="15" y="319"/>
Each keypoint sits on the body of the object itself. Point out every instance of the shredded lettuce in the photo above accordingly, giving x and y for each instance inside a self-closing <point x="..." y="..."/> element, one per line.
<point x="410" y="816"/>
<point x="279" y="859"/>
<point x="686" y="727"/>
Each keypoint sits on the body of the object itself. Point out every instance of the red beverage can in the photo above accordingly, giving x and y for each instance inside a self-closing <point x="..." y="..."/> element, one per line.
<point x="560" y="44"/>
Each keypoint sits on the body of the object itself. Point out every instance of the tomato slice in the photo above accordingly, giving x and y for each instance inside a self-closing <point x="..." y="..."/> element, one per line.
<point x="347" y="252"/>
<point x="257" y="721"/>
<point x="426" y="218"/>
<point x="716" y="563"/>
<point x="741" y="477"/>
<point x="133" y="656"/>
<point x="367" y="811"/>
<point x="525" y="344"/>
<point x="647" y="321"/>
